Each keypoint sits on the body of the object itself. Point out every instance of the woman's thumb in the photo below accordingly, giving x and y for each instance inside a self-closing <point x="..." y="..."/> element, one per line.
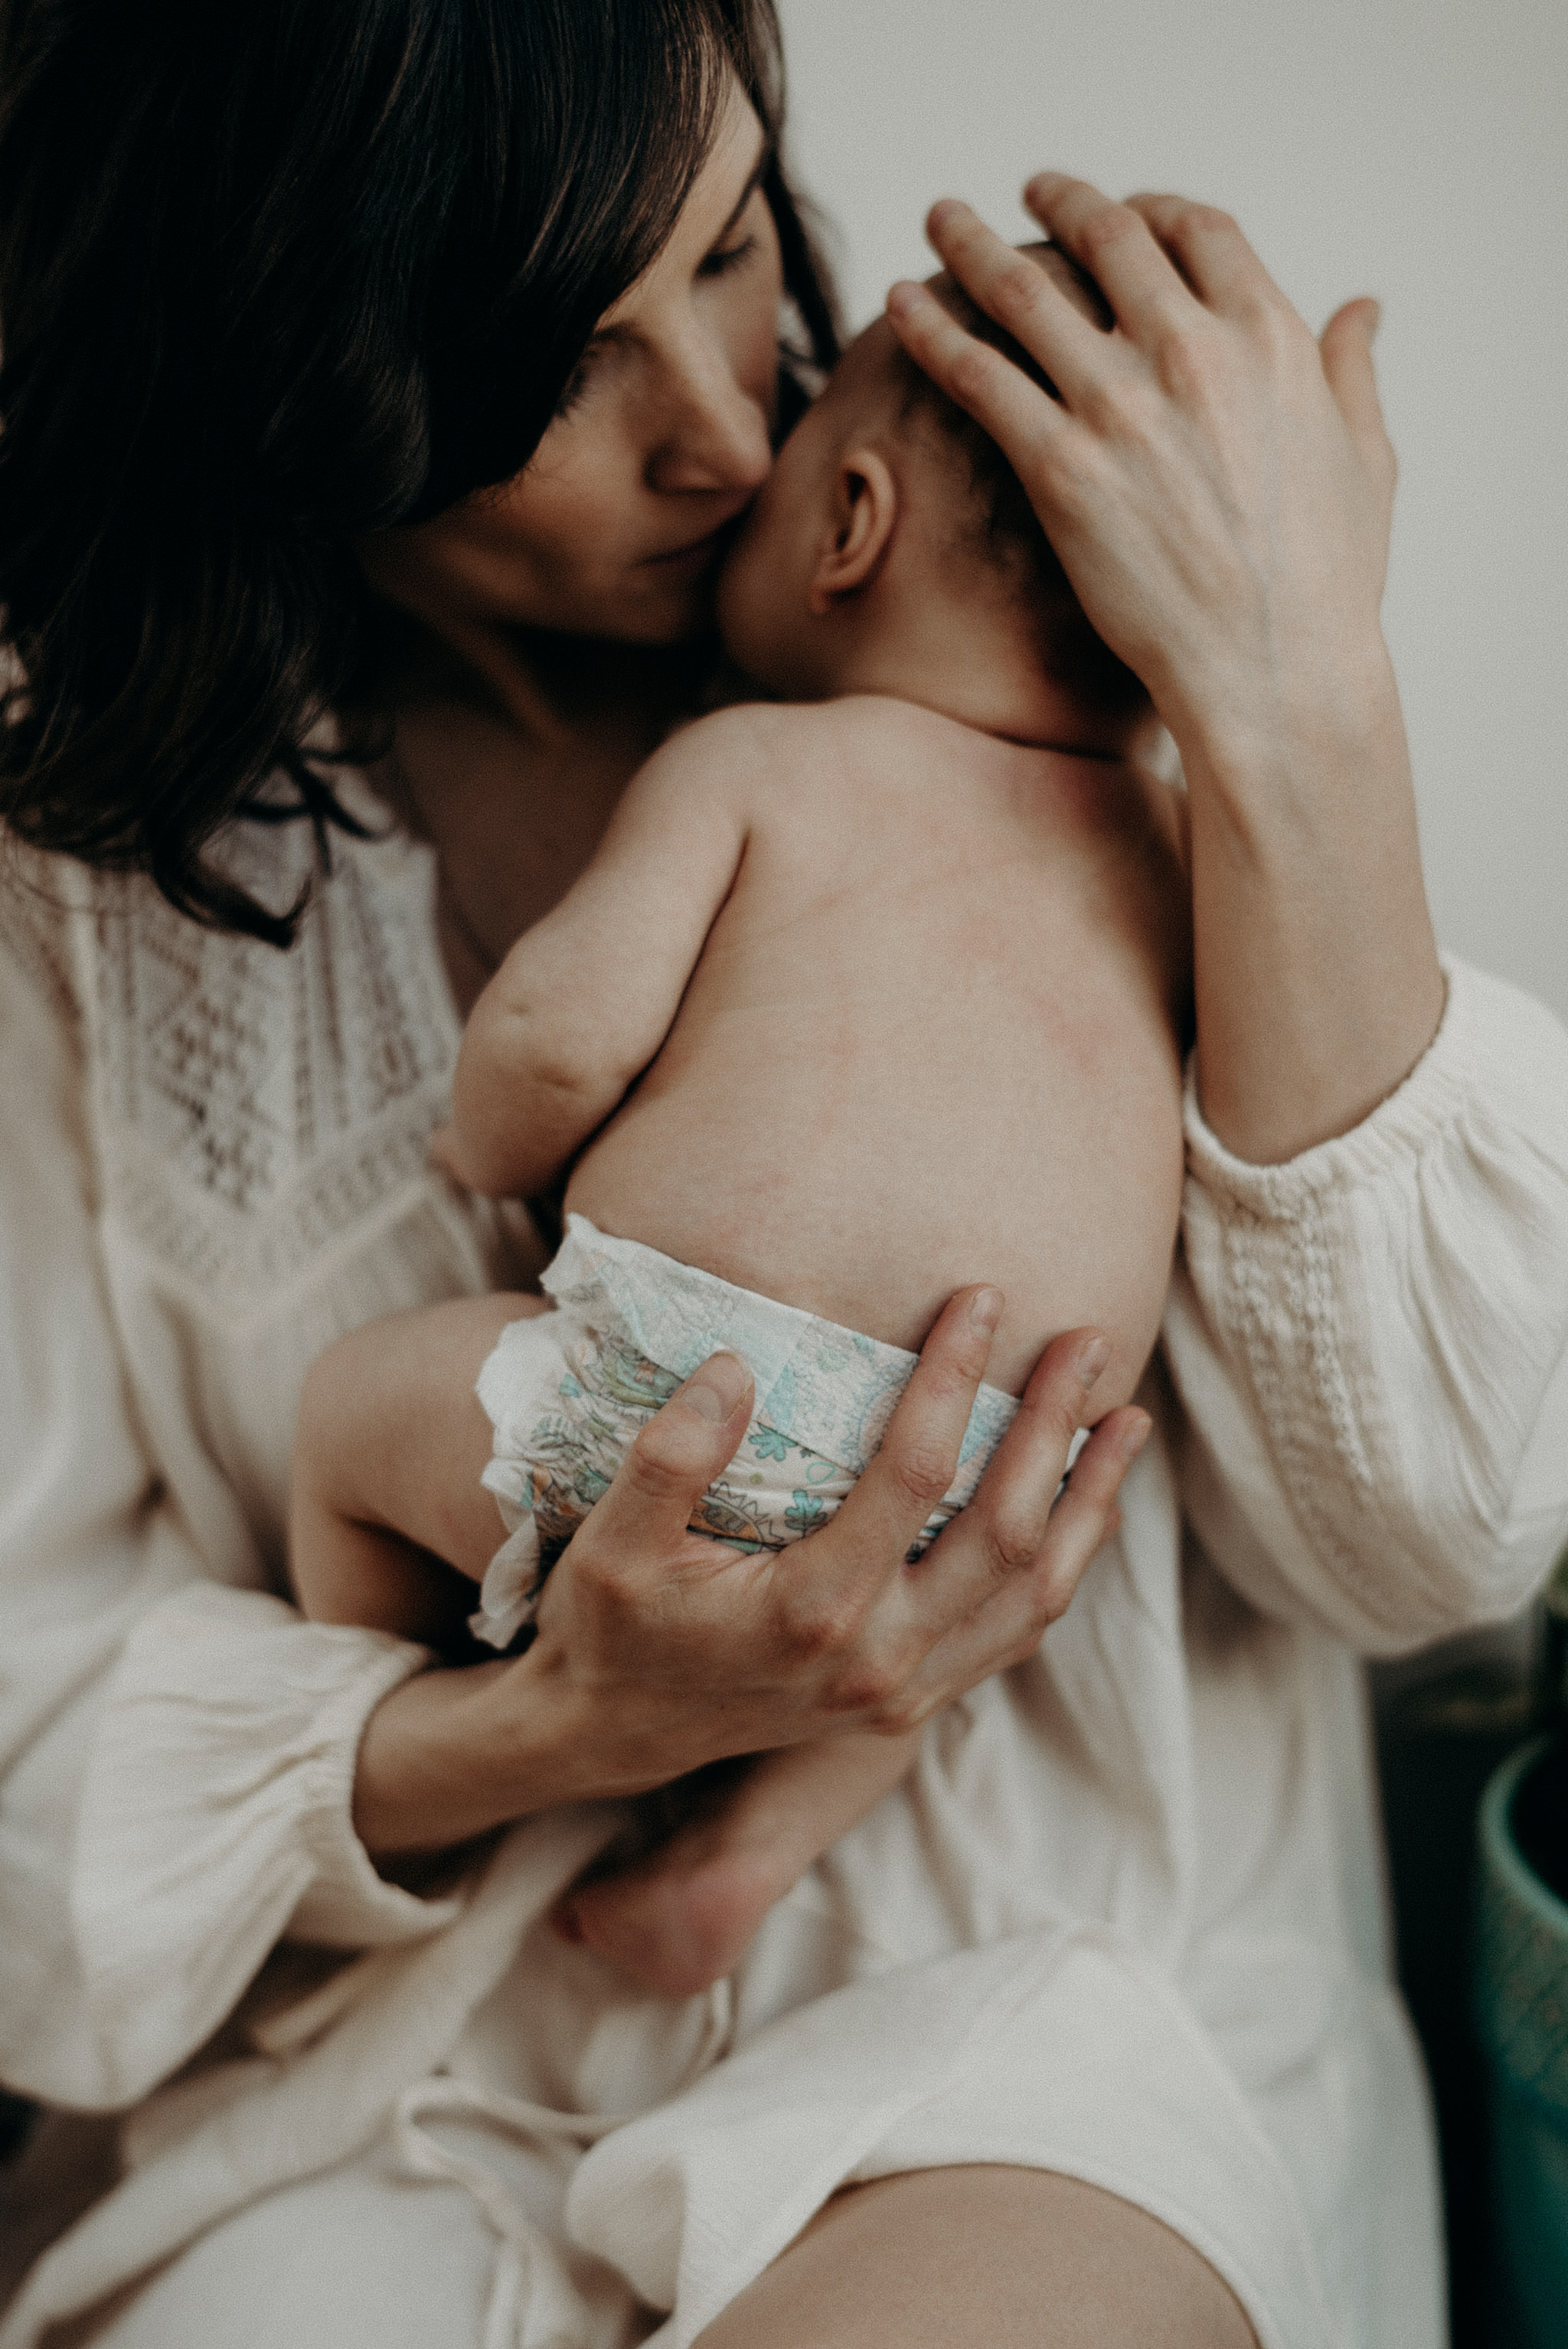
<point x="679" y="1453"/>
<point x="1346" y="344"/>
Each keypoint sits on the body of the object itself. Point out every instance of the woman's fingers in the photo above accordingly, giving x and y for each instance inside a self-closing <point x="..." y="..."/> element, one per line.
<point x="675" y="1458"/>
<point x="1084" y="1517"/>
<point x="1000" y="396"/>
<point x="1114" y="242"/>
<point x="1012" y="288"/>
<point x="919" y="1455"/>
<point x="1346" y="344"/>
<point x="1003" y="1531"/>
<point x="1023" y="1605"/>
<point x="1209" y="249"/>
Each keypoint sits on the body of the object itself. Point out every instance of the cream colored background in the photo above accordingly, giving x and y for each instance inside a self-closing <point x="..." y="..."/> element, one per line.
<point x="1404" y="147"/>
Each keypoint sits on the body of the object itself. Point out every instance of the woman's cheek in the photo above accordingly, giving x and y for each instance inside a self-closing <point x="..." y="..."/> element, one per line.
<point x="564" y="525"/>
<point x="758" y="330"/>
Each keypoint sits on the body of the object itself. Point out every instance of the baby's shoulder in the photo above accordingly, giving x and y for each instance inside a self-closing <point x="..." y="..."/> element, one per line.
<point x="749" y="753"/>
<point x="724" y="749"/>
<point x="769" y="729"/>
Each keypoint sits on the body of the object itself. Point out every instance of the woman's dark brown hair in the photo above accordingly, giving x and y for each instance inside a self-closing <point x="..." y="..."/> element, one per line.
<point x="273" y="274"/>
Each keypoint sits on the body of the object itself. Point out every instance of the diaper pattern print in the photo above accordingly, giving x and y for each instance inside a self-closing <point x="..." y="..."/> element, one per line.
<point x="568" y="1391"/>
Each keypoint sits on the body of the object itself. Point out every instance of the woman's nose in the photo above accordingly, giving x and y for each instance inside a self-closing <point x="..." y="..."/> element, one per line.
<point x="716" y="430"/>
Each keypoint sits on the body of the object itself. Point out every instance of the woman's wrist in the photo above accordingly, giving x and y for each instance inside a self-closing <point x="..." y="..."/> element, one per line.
<point x="453" y="1754"/>
<point x="1261" y="737"/>
<point x="1318" y="981"/>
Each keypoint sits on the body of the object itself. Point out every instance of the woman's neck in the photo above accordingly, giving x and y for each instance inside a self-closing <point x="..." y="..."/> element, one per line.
<point x="511" y="752"/>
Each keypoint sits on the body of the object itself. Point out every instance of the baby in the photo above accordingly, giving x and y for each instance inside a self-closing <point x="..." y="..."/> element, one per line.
<point x="873" y="990"/>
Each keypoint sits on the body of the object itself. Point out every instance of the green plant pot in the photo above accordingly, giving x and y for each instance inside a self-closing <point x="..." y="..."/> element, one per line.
<point x="1521" y="1986"/>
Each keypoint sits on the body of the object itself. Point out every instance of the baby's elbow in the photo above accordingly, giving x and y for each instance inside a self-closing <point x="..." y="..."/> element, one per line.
<point x="477" y="1159"/>
<point x="513" y="1134"/>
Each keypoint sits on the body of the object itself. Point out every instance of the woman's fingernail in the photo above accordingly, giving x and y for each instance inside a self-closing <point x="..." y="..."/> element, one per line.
<point x="1135" y="1435"/>
<point x="714" y="1391"/>
<point x="947" y="209"/>
<point x="986" y="1308"/>
<point x="1092" y="1361"/>
<point x="903" y="298"/>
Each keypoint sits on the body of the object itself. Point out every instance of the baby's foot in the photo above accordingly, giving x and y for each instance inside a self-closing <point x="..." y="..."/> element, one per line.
<point x="679" y="1919"/>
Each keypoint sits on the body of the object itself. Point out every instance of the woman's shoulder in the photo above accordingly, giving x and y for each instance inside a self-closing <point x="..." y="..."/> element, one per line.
<point x="228" y="1072"/>
<point x="43" y="900"/>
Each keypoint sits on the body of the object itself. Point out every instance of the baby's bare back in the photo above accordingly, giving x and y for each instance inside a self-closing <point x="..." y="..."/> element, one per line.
<point x="932" y="1039"/>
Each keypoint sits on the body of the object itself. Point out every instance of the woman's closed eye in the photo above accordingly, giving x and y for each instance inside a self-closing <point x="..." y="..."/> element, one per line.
<point x="728" y="257"/>
<point x="737" y="248"/>
<point x="577" y="382"/>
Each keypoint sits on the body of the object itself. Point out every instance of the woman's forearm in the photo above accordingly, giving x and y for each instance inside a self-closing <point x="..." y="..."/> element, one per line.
<point x="659" y="1651"/>
<point x="1317" y="980"/>
<point x="428" y="1775"/>
<point x="452" y="1753"/>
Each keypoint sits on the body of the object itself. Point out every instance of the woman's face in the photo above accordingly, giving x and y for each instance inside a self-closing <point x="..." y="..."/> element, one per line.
<point x="616" y="526"/>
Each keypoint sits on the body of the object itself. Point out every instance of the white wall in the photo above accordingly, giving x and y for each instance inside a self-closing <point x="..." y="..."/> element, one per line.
<point x="1405" y="148"/>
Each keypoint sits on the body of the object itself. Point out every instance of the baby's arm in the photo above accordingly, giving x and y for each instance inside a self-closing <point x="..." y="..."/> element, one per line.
<point x="385" y="1499"/>
<point x="585" y="998"/>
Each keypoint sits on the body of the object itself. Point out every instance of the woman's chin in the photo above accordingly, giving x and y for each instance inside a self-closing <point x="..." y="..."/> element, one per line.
<point x="667" y="611"/>
<point x="641" y="607"/>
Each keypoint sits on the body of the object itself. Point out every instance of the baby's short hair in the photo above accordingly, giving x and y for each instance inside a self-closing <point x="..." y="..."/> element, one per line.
<point x="1004" y="531"/>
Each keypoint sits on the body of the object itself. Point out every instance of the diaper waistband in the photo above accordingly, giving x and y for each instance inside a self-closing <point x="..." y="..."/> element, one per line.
<point x="829" y="1387"/>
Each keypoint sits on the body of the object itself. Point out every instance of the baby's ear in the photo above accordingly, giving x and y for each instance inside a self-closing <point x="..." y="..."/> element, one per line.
<point x="864" y="509"/>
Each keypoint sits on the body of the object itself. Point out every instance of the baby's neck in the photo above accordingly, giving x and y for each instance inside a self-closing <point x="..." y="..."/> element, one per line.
<point x="984" y="671"/>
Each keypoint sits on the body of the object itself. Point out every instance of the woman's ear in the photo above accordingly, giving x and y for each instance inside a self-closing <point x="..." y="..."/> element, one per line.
<point x="865" y="507"/>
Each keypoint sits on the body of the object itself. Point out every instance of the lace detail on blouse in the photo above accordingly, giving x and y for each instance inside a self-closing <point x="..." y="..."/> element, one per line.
<point x="254" y="1106"/>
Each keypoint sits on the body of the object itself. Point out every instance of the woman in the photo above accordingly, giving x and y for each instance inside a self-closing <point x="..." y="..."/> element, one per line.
<point x="1092" y="2021"/>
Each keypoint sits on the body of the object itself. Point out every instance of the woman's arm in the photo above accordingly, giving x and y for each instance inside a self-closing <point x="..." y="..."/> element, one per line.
<point x="1371" y="1343"/>
<point x="177" y="1756"/>
<point x="1218" y="486"/>
<point x="659" y="1651"/>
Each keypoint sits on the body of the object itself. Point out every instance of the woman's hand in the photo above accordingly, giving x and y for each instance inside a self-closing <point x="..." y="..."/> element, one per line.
<point x="659" y="1651"/>
<point x="1215" y="482"/>
<point x="677" y="1639"/>
<point x="1218" y="486"/>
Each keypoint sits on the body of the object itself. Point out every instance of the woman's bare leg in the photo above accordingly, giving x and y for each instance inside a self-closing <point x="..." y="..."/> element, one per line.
<point x="983" y="2258"/>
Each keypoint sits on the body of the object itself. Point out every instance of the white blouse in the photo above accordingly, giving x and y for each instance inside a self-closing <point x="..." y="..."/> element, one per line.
<point x="1124" y="1918"/>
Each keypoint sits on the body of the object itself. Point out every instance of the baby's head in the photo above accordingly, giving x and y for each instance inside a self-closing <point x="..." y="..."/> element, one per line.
<point x="888" y="508"/>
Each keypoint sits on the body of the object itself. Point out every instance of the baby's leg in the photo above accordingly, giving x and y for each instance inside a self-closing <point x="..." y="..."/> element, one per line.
<point x="679" y="1919"/>
<point x="385" y="1498"/>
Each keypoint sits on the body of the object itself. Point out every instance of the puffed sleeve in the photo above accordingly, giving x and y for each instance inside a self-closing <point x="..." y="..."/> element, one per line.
<point x="1370" y="1342"/>
<point x="175" y="1757"/>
